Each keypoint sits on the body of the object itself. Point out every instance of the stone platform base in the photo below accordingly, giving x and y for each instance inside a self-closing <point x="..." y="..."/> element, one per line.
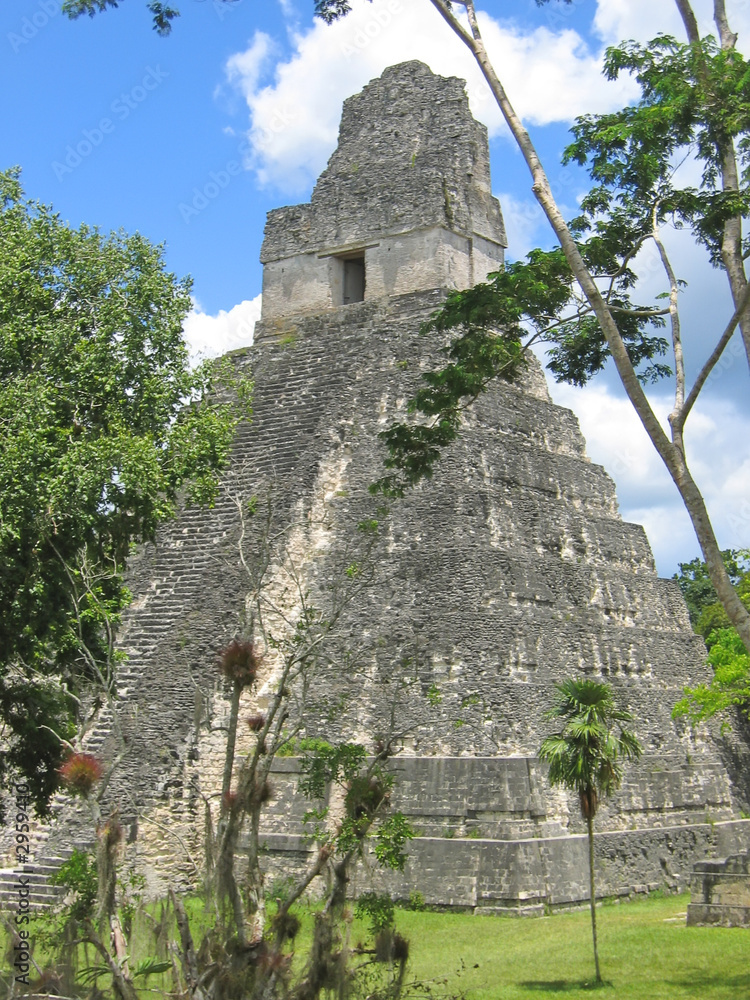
<point x="491" y="836"/>
<point x="720" y="892"/>
<point x="530" y="877"/>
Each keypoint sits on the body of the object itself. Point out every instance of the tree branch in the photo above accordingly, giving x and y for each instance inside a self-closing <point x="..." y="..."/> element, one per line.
<point x="689" y="20"/>
<point x="727" y="37"/>
<point x="671" y="456"/>
<point x="679" y="359"/>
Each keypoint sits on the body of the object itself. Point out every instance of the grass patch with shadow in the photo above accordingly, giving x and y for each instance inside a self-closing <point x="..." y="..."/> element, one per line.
<point x="646" y="950"/>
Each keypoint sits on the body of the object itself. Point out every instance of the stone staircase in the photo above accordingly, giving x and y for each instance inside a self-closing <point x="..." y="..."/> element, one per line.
<point x="34" y="874"/>
<point x="33" y="879"/>
<point x="171" y="596"/>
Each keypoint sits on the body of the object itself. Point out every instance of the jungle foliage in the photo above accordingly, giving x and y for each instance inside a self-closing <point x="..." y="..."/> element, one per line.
<point x="103" y="424"/>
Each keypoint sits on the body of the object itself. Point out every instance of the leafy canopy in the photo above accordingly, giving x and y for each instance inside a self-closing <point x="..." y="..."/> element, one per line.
<point x="695" y="102"/>
<point x="698" y="591"/>
<point x="727" y="656"/>
<point x="730" y="684"/>
<point x="162" y="13"/>
<point x="102" y="424"/>
<point x="488" y="332"/>
<point x="587" y="755"/>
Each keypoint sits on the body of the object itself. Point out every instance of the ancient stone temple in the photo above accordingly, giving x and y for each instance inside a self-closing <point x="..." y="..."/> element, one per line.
<point x="471" y="597"/>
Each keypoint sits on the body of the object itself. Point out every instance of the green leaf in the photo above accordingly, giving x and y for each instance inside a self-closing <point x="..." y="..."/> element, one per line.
<point x="391" y="837"/>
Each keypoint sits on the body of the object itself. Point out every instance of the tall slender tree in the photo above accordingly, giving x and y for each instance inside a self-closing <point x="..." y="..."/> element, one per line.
<point x="586" y="756"/>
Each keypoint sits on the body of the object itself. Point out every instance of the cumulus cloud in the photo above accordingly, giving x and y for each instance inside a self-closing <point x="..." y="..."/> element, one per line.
<point x="647" y="495"/>
<point x="210" y="336"/>
<point x="246" y="68"/>
<point x="616" y="20"/>
<point x="642" y="20"/>
<point x="551" y="76"/>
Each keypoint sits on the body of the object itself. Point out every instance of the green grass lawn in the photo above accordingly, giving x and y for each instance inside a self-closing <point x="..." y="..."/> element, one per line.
<point x="645" y="950"/>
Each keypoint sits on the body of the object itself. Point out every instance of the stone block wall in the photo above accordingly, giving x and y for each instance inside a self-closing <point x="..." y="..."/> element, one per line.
<point x="510" y="570"/>
<point x="490" y="839"/>
<point x="408" y="186"/>
<point x="720" y="892"/>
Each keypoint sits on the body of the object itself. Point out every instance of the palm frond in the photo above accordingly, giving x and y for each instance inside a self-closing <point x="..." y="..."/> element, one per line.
<point x="585" y="756"/>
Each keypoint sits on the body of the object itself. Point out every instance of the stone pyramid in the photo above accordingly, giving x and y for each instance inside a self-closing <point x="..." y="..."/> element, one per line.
<point x="507" y="572"/>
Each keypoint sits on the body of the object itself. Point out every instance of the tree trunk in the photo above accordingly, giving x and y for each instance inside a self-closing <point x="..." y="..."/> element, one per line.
<point x="234" y="712"/>
<point x="256" y="895"/>
<point x="731" y="244"/>
<point x="122" y="984"/>
<point x="590" y="825"/>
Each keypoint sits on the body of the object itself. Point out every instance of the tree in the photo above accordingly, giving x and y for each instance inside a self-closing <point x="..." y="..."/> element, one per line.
<point x="694" y="103"/>
<point x="240" y="943"/>
<point x="730" y="684"/>
<point x="102" y="425"/>
<point x="703" y="605"/>
<point x="586" y="756"/>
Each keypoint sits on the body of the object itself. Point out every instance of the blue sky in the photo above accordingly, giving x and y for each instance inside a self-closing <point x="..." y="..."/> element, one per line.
<point x="193" y="138"/>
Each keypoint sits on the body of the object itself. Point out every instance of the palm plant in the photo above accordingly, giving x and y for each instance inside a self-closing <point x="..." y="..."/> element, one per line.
<point x="587" y="755"/>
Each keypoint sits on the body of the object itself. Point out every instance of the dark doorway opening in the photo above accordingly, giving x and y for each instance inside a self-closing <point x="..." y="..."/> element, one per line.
<point x="354" y="279"/>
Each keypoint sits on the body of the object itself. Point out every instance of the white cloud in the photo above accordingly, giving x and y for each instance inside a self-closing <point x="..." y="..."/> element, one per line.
<point x="550" y="76"/>
<point x="616" y="20"/>
<point x="717" y="441"/>
<point x="245" y="69"/>
<point x="209" y="336"/>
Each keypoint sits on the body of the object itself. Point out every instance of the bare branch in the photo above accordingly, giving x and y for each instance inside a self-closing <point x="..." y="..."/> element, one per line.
<point x="726" y="35"/>
<point x="674" y="314"/>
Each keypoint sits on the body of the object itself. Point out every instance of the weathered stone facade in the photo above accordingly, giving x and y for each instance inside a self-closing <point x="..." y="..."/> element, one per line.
<point x="506" y="573"/>
<point x="407" y="191"/>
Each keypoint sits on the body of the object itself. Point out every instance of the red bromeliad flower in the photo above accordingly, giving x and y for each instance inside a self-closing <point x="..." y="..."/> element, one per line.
<point x="80" y="773"/>
<point x="239" y="662"/>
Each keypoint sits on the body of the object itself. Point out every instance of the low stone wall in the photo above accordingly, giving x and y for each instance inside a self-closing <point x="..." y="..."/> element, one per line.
<point x="527" y="877"/>
<point x="720" y="892"/>
<point x="489" y="840"/>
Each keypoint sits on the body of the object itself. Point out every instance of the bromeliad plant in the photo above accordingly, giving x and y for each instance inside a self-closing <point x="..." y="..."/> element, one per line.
<point x="238" y="947"/>
<point x="587" y="755"/>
